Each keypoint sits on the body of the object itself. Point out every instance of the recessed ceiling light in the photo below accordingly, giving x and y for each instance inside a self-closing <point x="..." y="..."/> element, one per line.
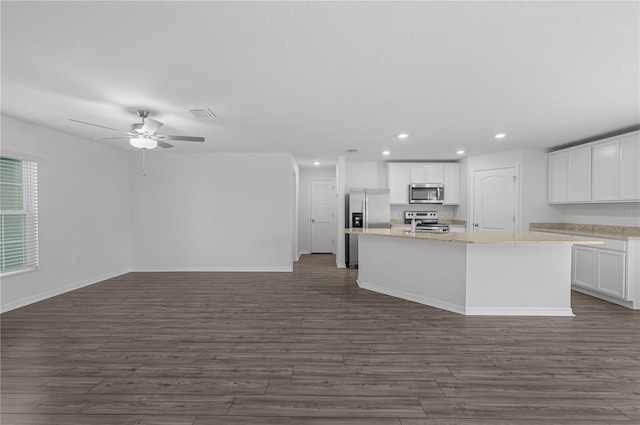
<point x="460" y="152"/>
<point x="316" y="162"/>
<point x="403" y="136"/>
<point x="499" y="135"/>
<point x="385" y="152"/>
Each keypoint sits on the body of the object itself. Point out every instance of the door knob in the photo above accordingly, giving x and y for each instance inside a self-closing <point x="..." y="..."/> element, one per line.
<point x="312" y="220"/>
<point x="475" y="224"/>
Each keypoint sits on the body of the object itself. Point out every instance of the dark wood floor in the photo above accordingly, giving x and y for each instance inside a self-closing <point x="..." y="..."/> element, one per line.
<point x="308" y="347"/>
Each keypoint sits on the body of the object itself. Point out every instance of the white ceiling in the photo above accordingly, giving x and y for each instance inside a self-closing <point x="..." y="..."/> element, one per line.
<point x="316" y="78"/>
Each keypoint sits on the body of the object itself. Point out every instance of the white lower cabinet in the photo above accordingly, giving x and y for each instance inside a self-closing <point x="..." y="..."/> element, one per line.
<point x="583" y="270"/>
<point x="610" y="273"/>
<point x="598" y="269"/>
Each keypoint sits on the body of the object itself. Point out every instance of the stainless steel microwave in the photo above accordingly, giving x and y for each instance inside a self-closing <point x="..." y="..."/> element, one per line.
<point x="427" y="193"/>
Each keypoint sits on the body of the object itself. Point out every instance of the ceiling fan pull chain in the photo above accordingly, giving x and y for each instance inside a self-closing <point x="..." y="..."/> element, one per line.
<point x="144" y="172"/>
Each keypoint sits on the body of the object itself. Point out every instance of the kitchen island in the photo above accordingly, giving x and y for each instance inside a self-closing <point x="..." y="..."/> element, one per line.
<point x="508" y="274"/>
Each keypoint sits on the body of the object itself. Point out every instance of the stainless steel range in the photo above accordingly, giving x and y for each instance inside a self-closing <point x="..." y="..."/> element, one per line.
<point x="425" y="221"/>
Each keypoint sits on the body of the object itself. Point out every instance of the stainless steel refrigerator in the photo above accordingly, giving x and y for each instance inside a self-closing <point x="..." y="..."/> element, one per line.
<point x="368" y="209"/>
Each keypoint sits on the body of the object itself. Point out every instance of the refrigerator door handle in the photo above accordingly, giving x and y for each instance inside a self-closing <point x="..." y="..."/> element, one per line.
<point x="366" y="212"/>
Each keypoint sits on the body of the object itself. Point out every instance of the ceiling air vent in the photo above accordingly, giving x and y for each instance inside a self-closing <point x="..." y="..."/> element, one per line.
<point x="202" y="113"/>
<point x="352" y="150"/>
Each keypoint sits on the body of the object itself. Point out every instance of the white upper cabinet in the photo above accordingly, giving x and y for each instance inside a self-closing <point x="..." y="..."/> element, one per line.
<point x="629" y="189"/>
<point x="603" y="171"/>
<point x="557" y="177"/>
<point x="427" y="173"/>
<point x="579" y="175"/>
<point x="419" y="173"/>
<point x="569" y="175"/>
<point x="435" y="173"/>
<point x="399" y="180"/>
<point x="401" y="175"/>
<point x="451" y="184"/>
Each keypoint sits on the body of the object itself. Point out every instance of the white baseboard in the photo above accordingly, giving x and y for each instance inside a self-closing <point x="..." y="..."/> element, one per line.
<point x="304" y="252"/>
<point x="342" y="265"/>
<point x="469" y="311"/>
<point x="59" y="291"/>
<point x="213" y="269"/>
<point x="623" y="303"/>
<point x="518" y="311"/>
<point x="412" y="297"/>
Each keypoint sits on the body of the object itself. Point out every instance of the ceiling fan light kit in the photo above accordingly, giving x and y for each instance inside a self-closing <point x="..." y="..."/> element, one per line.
<point x="143" y="142"/>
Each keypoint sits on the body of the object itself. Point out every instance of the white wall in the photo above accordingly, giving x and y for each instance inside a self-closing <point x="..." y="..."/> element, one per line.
<point x="212" y="211"/>
<point x="535" y="208"/>
<point x="83" y="190"/>
<point x="306" y="175"/>
<point x="530" y="166"/>
<point x="461" y="212"/>
<point x="340" y="216"/>
<point x="295" y="183"/>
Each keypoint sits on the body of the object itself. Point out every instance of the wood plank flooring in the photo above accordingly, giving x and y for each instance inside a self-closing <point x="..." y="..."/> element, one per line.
<point x="308" y="347"/>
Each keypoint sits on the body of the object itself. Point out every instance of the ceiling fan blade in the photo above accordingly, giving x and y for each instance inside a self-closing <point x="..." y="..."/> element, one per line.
<point x="164" y="144"/>
<point x="151" y="126"/>
<point x="95" y="125"/>
<point x="183" y="138"/>
<point x="113" y="138"/>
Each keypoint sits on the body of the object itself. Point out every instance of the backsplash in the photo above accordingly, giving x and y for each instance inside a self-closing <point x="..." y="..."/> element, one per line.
<point x="618" y="214"/>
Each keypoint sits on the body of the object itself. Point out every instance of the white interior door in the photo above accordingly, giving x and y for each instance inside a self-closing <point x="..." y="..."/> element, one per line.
<point x="322" y="201"/>
<point x="494" y="200"/>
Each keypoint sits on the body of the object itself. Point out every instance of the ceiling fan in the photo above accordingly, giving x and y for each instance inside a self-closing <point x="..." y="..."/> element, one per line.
<point x="143" y="134"/>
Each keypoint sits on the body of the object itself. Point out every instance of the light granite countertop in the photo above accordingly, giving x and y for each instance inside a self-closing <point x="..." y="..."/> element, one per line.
<point x="474" y="238"/>
<point x="594" y="230"/>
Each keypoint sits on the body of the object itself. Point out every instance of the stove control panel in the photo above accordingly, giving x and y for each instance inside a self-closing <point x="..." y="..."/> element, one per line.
<point x="421" y="215"/>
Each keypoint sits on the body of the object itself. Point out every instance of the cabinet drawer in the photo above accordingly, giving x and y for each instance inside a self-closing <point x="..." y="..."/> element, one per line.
<point x="612" y="244"/>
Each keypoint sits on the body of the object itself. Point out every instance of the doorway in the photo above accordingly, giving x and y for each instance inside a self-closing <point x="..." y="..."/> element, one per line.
<point x="321" y="216"/>
<point x="494" y="200"/>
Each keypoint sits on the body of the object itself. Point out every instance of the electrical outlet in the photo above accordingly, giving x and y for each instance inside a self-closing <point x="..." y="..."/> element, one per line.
<point x="76" y="259"/>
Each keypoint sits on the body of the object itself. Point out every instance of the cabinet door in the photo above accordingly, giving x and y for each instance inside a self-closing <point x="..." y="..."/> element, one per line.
<point x="606" y="171"/>
<point x="579" y="175"/>
<point x="583" y="270"/>
<point x="399" y="177"/>
<point x="557" y="177"/>
<point x="610" y="273"/>
<point x="435" y="173"/>
<point x="630" y="168"/>
<point x="451" y="184"/>
<point x="419" y="173"/>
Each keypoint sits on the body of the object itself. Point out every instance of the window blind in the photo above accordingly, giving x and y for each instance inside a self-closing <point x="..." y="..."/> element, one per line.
<point x="18" y="215"/>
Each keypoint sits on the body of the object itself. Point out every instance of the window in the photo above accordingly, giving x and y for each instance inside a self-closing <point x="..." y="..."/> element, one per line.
<point x="18" y="215"/>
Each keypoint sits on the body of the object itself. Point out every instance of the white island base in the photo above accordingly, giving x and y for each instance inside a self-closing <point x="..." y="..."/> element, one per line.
<point x="469" y="278"/>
